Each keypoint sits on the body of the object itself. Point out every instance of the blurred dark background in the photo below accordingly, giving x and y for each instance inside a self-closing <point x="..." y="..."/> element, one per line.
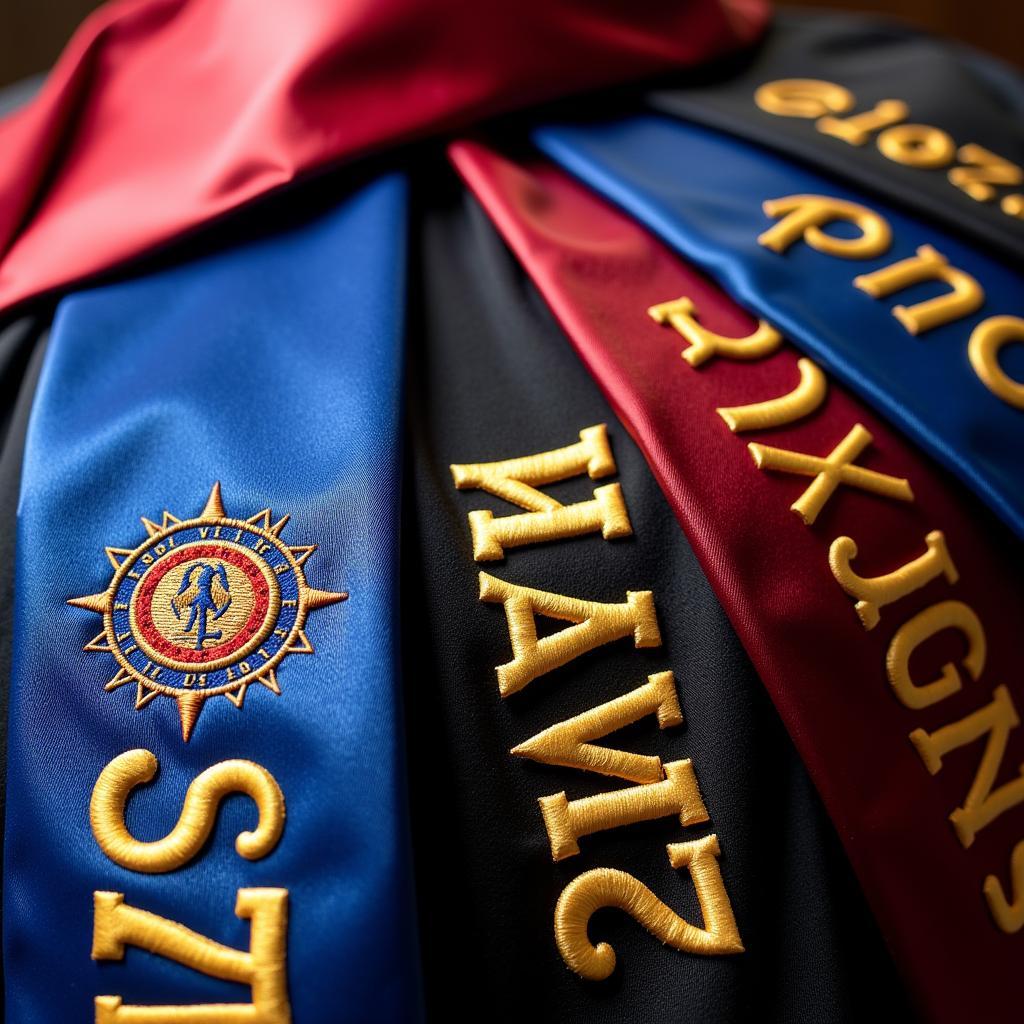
<point x="33" y="32"/>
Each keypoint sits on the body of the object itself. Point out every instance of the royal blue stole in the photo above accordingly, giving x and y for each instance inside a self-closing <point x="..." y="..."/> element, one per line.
<point x="206" y="601"/>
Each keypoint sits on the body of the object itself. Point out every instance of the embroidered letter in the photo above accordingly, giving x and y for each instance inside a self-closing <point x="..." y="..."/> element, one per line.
<point x="987" y="340"/>
<point x="983" y="170"/>
<point x="875" y="592"/>
<point x="569" y="743"/>
<point x="183" y="842"/>
<point x="804" y="216"/>
<point x="981" y="805"/>
<point x="1013" y="206"/>
<point x="516" y="480"/>
<point x="1009" y="916"/>
<point x="594" y="624"/>
<point x="922" y="627"/>
<point x="803" y="97"/>
<point x="965" y="295"/>
<point x="804" y="399"/>
<point x="705" y="344"/>
<point x="829" y="472"/>
<point x="116" y="925"/>
<point x="858" y="129"/>
<point x="606" y="887"/>
<point x="917" y="145"/>
<point x="567" y="820"/>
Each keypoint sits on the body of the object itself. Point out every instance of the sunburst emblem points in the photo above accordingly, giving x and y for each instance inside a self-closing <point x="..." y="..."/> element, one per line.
<point x="205" y="607"/>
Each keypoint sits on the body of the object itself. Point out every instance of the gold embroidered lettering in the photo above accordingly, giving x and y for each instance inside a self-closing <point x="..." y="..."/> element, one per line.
<point x="116" y="925"/>
<point x="981" y="806"/>
<point x="965" y="295"/>
<point x="607" y="887"/>
<point x="919" y="629"/>
<point x="983" y="170"/>
<point x="516" y="481"/>
<point x="917" y="145"/>
<point x="987" y="340"/>
<point x="198" y="815"/>
<point x="595" y="624"/>
<point x="569" y="743"/>
<point x="804" y="216"/>
<point x="803" y="97"/>
<point x="804" y="399"/>
<point x="704" y="344"/>
<point x="856" y="130"/>
<point x="1013" y="206"/>
<point x="1008" y="916"/>
<point x="829" y="472"/>
<point x="874" y="593"/>
<point x="568" y="820"/>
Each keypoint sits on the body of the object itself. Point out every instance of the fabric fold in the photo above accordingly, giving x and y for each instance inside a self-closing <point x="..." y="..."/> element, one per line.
<point x="163" y="115"/>
<point x="705" y="195"/>
<point x="207" y="582"/>
<point x="853" y="715"/>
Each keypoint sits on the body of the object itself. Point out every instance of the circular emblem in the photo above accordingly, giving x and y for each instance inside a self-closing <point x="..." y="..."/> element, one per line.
<point x="205" y="606"/>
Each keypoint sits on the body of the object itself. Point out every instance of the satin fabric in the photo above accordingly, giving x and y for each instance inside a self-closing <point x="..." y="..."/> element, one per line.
<point x="973" y="98"/>
<point x="162" y="115"/>
<point x="599" y="271"/>
<point x="702" y="193"/>
<point x="491" y="376"/>
<point x="273" y="366"/>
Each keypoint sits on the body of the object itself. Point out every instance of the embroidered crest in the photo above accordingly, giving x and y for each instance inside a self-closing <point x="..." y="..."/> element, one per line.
<point x="203" y="607"/>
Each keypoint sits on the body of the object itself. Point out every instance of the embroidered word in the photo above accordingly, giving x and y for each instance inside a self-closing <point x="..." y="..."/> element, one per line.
<point x="980" y="173"/>
<point x="984" y="802"/>
<point x="115" y="924"/>
<point x="803" y="217"/>
<point x="660" y="790"/>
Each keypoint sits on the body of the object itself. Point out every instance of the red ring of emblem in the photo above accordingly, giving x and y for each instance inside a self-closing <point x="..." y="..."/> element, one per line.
<point x="144" y="603"/>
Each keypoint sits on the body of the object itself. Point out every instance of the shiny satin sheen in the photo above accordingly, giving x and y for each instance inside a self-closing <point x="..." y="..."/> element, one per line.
<point x="165" y="114"/>
<point x="702" y="193"/>
<point x="599" y="271"/>
<point x="972" y="97"/>
<point x="275" y="368"/>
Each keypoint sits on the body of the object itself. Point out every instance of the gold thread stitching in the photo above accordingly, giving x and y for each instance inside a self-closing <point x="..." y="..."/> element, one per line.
<point x="516" y="481"/>
<point x="804" y="399"/>
<point x="829" y="472"/>
<point x="569" y="743"/>
<point x="1008" y="916"/>
<point x="917" y="145"/>
<point x="987" y="340"/>
<point x="198" y="815"/>
<point x="984" y="170"/>
<point x="965" y="295"/>
<point x="262" y="968"/>
<point x="805" y="215"/>
<point x="921" y="628"/>
<point x="982" y="805"/>
<point x="874" y="593"/>
<point x="567" y="820"/>
<point x="607" y="887"/>
<point x="803" y="97"/>
<point x="704" y="344"/>
<point x="858" y="129"/>
<point x="594" y="624"/>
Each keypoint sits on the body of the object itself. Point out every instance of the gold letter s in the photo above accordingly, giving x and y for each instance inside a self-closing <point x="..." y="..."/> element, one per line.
<point x="183" y="842"/>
